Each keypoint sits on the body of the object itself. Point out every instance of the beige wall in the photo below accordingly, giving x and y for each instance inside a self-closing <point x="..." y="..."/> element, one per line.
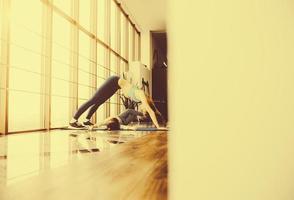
<point x="231" y="68"/>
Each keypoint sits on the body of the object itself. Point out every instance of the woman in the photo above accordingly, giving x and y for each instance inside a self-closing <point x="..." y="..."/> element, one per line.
<point x="125" y="118"/>
<point x="107" y="89"/>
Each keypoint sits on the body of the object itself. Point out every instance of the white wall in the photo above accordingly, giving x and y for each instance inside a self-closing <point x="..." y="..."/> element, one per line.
<point x="231" y="68"/>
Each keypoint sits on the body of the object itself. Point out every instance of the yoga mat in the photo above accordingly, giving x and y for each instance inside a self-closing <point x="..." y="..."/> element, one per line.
<point x="125" y="128"/>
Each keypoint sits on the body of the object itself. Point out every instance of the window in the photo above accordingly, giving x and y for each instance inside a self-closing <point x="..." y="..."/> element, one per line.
<point x="57" y="62"/>
<point x="131" y="42"/>
<point x="61" y="68"/>
<point x="123" y="36"/>
<point x="85" y="13"/>
<point x="64" y="5"/>
<point x="101" y="20"/>
<point x="1" y="11"/>
<point x="136" y="45"/>
<point x="25" y="74"/>
<point x="113" y="25"/>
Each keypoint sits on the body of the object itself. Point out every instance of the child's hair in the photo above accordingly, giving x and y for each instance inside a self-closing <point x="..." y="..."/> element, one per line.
<point x="113" y="124"/>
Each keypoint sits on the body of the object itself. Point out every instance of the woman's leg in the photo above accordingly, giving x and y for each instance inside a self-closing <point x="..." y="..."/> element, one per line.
<point x="107" y="89"/>
<point x="92" y="110"/>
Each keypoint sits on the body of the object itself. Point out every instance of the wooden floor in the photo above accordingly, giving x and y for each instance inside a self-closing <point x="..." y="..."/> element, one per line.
<point x="136" y="170"/>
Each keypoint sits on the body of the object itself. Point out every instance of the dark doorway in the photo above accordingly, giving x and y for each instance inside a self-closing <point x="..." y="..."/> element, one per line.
<point x="159" y="71"/>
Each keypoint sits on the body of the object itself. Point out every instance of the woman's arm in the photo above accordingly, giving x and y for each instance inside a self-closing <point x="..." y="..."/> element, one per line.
<point x="145" y="104"/>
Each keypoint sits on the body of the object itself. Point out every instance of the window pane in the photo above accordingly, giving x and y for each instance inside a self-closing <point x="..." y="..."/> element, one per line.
<point x="22" y="58"/>
<point x="63" y="5"/>
<point x="60" y="49"/>
<point x="61" y="31"/>
<point x="139" y="47"/>
<point x="122" y="67"/>
<point x="24" y="111"/>
<point x="21" y="16"/>
<point x="136" y="46"/>
<point x="24" y="81"/>
<point x="84" y="45"/>
<point x="113" y="28"/>
<point x="123" y="36"/>
<point x="25" y="92"/>
<point x="101" y="56"/>
<point x="1" y="11"/>
<point x="59" y="111"/>
<point x="113" y="109"/>
<point x="60" y="81"/>
<point x="101" y="64"/>
<point x="84" y="15"/>
<point x="113" y="64"/>
<point x="84" y="71"/>
<point x="131" y="42"/>
<point x="84" y="78"/>
<point x="26" y="38"/>
<point x="60" y="88"/>
<point x="101" y="16"/>
<point x="100" y="75"/>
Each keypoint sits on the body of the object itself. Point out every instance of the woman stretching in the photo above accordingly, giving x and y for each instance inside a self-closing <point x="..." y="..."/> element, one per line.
<point x="107" y="89"/>
<point x="125" y="118"/>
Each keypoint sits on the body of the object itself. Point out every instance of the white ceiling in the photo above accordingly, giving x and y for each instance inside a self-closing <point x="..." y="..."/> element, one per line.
<point x="149" y="15"/>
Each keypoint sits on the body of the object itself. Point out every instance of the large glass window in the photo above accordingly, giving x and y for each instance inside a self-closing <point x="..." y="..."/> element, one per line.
<point x="64" y="5"/>
<point x="61" y="67"/>
<point x="1" y="63"/>
<point x="85" y="13"/>
<point x="63" y="50"/>
<point x="123" y="35"/>
<point x="101" y="19"/>
<point x="25" y="76"/>
<point x="113" y="25"/>
<point x="131" y="42"/>
<point x="1" y="11"/>
<point x="137" y="45"/>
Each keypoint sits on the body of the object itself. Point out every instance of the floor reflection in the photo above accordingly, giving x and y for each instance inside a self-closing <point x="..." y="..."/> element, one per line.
<point x="25" y="155"/>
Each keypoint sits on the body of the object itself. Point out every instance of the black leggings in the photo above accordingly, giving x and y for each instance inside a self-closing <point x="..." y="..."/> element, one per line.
<point x="107" y="89"/>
